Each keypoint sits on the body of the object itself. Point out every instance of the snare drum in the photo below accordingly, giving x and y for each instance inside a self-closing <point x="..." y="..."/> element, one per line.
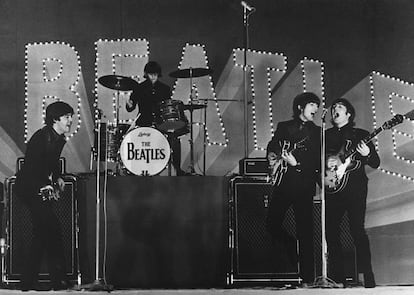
<point x="145" y="151"/>
<point x="111" y="136"/>
<point x="172" y="116"/>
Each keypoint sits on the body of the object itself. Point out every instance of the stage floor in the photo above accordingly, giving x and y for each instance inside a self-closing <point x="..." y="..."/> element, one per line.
<point x="386" y="290"/>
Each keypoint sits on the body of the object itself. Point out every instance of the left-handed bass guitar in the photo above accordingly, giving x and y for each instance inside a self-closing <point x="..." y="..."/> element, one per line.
<point x="336" y="176"/>
<point x="50" y="192"/>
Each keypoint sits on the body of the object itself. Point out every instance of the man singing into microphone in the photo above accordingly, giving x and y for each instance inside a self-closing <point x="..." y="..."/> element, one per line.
<point x="298" y="184"/>
<point x="353" y="197"/>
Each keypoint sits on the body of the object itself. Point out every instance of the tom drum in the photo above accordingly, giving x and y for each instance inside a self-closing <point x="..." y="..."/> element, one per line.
<point x="172" y="116"/>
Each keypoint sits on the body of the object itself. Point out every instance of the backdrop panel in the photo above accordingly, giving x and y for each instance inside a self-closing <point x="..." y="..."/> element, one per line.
<point x="162" y="231"/>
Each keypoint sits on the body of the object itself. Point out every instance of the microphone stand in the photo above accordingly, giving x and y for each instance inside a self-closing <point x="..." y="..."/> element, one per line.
<point x="100" y="283"/>
<point x="246" y="46"/>
<point x="323" y="281"/>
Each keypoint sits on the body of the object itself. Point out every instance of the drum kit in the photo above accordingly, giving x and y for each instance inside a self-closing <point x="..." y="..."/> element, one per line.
<point x="145" y="151"/>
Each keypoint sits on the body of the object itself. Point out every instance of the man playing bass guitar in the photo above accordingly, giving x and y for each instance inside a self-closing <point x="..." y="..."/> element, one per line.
<point x="295" y="153"/>
<point x="352" y="196"/>
<point x="37" y="185"/>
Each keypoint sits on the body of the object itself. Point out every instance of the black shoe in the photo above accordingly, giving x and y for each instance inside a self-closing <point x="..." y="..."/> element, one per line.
<point x="181" y="172"/>
<point x="30" y="287"/>
<point x="292" y="253"/>
<point x="62" y="285"/>
<point x="26" y="287"/>
<point x="305" y="285"/>
<point x="369" y="280"/>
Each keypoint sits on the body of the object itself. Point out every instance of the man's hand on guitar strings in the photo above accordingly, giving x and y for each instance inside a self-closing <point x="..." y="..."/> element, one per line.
<point x="272" y="158"/>
<point x="289" y="158"/>
<point x="363" y="149"/>
<point x="61" y="184"/>
<point x="332" y="163"/>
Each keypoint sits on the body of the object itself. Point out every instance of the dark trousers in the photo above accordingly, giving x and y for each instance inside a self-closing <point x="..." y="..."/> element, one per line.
<point x="302" y="203"/>
<point x="176" y="151"/>
<point x="352" y="201"/>
<point x="47" y="240"/>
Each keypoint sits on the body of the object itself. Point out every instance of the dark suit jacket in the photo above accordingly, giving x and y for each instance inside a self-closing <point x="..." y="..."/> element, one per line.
<point x="41" y="161"/>
<point x="148" y="97"/>
<point x="305" y="174"/>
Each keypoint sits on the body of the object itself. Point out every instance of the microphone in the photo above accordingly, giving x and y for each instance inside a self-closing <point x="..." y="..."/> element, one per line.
<point x="247" y="6"/>
<point x="324" y="112"/>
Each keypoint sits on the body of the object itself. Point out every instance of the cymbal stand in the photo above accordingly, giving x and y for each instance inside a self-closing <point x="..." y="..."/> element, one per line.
<point x="117" y="158"/>
<point x="205" y="138"/>
<point x="206" y="100"/>
<point x="192" y="170"/>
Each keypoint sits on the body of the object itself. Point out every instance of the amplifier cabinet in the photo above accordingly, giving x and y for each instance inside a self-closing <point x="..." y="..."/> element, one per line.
<point x="62" y="164"/>
<point x="17" y="232"/>
<point x="254" y="167"/>
<point x="254" y="256"/>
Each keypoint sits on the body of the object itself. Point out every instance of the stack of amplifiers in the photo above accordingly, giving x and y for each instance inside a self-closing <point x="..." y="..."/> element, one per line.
<point x="257" y="258"/>
<point x="17" y="228"/>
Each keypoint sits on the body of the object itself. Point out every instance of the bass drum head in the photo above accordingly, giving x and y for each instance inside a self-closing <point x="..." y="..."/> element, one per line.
<point x="145" y="151"/>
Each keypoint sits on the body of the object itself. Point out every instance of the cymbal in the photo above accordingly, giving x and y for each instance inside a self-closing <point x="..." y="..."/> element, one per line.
<point x="191" y="73"/>
<point x="117" y="82"/>
<point x="193" y="107"/>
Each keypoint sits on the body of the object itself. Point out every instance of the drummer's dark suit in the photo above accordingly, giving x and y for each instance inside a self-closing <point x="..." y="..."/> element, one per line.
<point x="148" y="96"/>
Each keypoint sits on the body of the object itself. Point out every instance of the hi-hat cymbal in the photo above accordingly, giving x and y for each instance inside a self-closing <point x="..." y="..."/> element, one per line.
<point x="116" y="82"/>
<point x="193" y="107"/>
<point x="191" y="73"/>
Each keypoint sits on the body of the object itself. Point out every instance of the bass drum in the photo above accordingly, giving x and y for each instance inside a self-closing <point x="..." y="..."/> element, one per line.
<point x="145" y="151"/>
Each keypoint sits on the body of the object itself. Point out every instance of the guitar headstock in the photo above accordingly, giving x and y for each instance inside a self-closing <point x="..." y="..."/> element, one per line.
<point x="397" y="119"/>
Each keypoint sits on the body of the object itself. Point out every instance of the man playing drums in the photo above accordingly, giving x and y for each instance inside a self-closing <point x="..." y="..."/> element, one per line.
<point x="149" y="95"/>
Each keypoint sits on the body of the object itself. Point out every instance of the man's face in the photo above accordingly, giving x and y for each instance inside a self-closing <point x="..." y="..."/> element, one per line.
<point x="153" y="77"/>
<point x="308" y="112"/>
<point x="340" y="115"/>
<point x="63" y="124"/>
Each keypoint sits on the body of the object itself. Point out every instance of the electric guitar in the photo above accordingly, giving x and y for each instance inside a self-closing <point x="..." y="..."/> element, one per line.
<point x="278" y="166"/>
<point x="50" y="192"/>
<point x="336" y="176"/>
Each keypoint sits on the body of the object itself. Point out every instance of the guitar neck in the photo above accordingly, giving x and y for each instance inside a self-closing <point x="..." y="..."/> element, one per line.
<point x="366" y="139"/>
<point x="296" y="145"/>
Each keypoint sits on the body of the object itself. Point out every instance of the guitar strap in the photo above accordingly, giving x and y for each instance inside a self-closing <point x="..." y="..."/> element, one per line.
<point x="349" y="134"/>
<point x="298" y="131"/>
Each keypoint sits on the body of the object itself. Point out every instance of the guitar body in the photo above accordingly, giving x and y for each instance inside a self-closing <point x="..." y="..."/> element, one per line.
<point x="50" y="191"/>
<point x="336" y="176"/>
<point x="279" y="167"/>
